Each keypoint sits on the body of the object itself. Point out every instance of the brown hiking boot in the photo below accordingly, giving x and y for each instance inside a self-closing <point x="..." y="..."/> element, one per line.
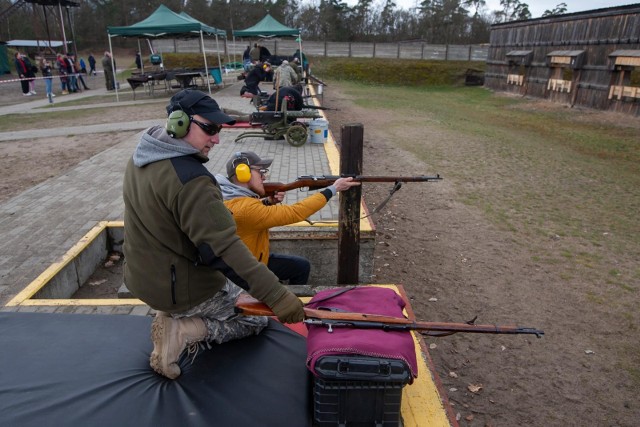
<point x="170" y="338"/>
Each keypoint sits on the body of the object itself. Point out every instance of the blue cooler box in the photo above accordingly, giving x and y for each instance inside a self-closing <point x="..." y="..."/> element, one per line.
<point x="358" y="391"/>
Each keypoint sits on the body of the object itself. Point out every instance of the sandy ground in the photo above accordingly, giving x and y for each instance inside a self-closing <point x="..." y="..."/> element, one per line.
<point x="455" y="265"/>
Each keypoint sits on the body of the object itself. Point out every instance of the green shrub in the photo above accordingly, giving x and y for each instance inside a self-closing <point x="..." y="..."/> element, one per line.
<point x="402" y="72"/>
<point x="184" y="60"/>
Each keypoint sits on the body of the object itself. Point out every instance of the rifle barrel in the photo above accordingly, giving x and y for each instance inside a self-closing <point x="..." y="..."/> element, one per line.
<point x="314" y="182"/>
<point x="249" y="306"/>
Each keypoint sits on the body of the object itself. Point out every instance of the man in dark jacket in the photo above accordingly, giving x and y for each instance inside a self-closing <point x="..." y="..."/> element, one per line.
<point x="23" y="68"/>
<point x="92" y="64"/>
<point x="108" y="66"/>
<point x="252" y="81"/>
<point x="180" y="240"/>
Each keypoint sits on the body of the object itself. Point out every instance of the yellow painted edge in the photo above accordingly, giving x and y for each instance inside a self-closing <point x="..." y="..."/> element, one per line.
<point x="55" y="268"/>
<point x="333" y="156"/>
<point x="315" y="224"/>
<point x="421" y="402"/>
<point x="78" y="302"/>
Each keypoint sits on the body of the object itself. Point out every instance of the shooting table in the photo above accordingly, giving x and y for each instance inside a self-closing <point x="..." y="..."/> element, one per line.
<point x="147" y="80"/>
<point x="186" y="78"/>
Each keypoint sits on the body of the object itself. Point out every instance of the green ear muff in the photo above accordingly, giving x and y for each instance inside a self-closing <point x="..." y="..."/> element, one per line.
<point x="243" y="173"/>
<point x="178" y="124"/>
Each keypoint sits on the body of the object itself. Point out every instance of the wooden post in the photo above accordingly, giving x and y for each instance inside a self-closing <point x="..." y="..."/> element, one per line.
<point x="351" y="149"/>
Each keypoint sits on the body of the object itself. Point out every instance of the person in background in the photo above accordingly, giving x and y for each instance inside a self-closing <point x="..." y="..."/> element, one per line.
<point x="302" y="59"/>
<point x="246" y="58"/>
<point x="76" y="70"/>
<point x="254" y="53"/>
<point x="45" y="68"/>
<point x="71" y="73"/>
<point x="284" y="76"/>
<point x="180" y="242"/>
<point x="61" y="66"/>
<point x="83" y="66"/>
<point x="108" y="67"/>
<point x="138" y="61"/>
<point x="286" y="94"/>
<point x="251" y="89"/>
<point x="92" y="64"/>
<point x="25" y="72"/>
<point x="297" y="68"/>
<point x="256" y="212"/>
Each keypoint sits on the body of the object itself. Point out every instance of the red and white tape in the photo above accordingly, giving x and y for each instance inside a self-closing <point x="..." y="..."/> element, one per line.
<point x="39" y="78"/>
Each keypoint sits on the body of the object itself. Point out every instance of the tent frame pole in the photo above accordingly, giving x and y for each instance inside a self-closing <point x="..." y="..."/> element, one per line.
<point x="204" y="55"/>
<point x="113" y="66"/>
<point x="140" y="53"/>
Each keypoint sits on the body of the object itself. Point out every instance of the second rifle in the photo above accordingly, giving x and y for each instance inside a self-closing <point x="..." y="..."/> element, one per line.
<point x="315" y="182"/>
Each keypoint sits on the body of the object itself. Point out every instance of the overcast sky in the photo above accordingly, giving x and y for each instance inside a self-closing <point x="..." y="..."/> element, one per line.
<point x="536" y="7"/>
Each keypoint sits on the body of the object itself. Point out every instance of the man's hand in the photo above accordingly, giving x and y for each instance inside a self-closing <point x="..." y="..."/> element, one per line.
<point x="288" y="308"/>
<point x="278" y="197"/>
<point x="343" y="184"/>
<point x="274" y="199"/>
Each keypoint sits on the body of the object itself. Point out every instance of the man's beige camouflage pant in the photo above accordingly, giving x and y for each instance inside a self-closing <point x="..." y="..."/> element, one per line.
<point x="222" y="322"/>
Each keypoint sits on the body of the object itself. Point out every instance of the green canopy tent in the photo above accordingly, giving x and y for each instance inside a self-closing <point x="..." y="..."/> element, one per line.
<point x="270" y="27"/>
<point x="164" y="23"/>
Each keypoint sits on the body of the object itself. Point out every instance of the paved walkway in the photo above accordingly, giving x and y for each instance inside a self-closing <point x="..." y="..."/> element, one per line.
<point x="41" y="224"/>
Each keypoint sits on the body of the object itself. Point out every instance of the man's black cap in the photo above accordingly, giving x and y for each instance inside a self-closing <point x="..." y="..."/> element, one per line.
<point x="197" y="102"/>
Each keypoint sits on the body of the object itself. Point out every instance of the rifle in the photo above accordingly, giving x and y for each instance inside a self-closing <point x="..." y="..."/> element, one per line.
<point x="248" y="306"/>
<point x="315" y="182"/>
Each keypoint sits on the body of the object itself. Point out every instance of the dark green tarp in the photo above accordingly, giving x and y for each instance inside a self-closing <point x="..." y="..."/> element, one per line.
<point x="267" y="27"/>
<point x="4" y="60"/>
<point x="165" y="23"/>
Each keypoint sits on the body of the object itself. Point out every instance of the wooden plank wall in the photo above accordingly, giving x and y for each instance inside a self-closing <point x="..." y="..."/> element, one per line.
<point x="598" y="32"/>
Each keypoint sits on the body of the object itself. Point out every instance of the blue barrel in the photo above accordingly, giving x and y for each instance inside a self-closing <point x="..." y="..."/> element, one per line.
<point x="217" y="75"/>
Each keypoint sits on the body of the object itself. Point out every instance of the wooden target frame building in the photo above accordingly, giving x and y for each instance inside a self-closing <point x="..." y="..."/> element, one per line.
<point x="590" y="59"/>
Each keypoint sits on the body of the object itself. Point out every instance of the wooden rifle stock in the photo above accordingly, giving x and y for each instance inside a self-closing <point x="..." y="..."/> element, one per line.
<point x="315" y="182"/>
<point x="248" y="306"/>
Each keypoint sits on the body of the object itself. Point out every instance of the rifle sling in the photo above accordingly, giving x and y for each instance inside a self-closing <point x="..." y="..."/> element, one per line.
<point x="396" y="187"/>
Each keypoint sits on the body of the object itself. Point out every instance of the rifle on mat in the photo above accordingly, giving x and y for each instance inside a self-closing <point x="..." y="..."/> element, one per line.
<point x="248" y="306"/>
<point x="315" y="182"/>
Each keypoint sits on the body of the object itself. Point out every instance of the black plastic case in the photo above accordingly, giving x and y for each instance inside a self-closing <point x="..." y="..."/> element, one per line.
<point x="358" y="391"/>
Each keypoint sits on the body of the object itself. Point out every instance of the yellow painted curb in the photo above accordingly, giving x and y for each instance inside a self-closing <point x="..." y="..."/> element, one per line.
<point x="24" y="297"/>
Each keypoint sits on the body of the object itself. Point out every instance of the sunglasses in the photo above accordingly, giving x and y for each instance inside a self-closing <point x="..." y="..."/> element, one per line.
<point x="208" y="128"/>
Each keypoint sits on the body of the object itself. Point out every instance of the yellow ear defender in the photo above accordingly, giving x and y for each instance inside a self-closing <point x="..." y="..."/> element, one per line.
<point x="243" y="173"/>
<point x="242" y="169"/>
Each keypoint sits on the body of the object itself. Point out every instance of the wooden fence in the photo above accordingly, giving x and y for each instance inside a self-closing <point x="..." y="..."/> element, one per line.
<point x="232" y="49"/>
<point x="591" y="58"/>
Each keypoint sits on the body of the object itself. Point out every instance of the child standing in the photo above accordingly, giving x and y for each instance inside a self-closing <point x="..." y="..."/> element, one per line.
<point x="45" y="67"/>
